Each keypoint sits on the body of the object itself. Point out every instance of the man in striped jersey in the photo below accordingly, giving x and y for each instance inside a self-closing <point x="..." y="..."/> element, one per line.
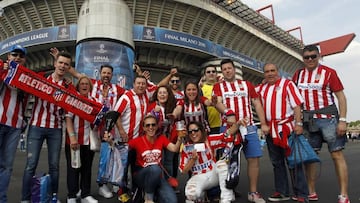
<point x="239" y="95"/>
<point x="46" y="124"/>
<point x="12" y="106"/>
<point x="322" y="120"/>
<point x="282" y="105"/>
<point x="132" y="107"/>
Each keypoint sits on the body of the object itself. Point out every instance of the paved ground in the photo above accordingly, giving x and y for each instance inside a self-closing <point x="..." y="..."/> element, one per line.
<point x="326" y="186"/>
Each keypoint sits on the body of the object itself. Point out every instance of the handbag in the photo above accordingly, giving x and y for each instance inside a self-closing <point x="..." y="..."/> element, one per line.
<point x="95" y="141"/>
<point x="41" y="188"/>
<point x="301" y="151"/>
<point x="173" y="182"/>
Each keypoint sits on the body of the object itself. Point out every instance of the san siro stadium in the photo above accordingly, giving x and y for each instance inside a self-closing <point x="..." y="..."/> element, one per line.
<point x="156" y="34"/>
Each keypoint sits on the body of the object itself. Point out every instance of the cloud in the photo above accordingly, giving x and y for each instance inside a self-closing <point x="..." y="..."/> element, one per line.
<point x="321" y="20"/>
<point x="347" y="65"/>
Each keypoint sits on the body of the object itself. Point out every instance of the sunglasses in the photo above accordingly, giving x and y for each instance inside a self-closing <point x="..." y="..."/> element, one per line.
<point x="14" y="54"/>
<point x="150" y="124"/>
<point x="314" y="56"/>
<point x="210" y="71"/>
<point x="194" y="131"/>
<point x="174" y="81"/>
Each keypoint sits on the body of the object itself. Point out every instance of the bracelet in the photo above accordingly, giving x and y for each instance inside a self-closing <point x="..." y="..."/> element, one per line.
<point x="72" y="134"/>
<point x="343" y="119"/>
<point x="299" y="123"/>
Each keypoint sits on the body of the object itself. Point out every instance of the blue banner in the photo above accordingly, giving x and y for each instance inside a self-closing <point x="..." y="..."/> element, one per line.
<point x="41" y="36"/>
<point x="154" y="34"/>
<point x="140" y="33"/>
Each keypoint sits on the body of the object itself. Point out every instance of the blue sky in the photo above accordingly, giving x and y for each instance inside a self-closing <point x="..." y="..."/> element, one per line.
<point x="321" y="20"/>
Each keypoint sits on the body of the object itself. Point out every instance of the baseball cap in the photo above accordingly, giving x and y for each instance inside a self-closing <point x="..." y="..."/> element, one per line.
<point x="17" y="48"/>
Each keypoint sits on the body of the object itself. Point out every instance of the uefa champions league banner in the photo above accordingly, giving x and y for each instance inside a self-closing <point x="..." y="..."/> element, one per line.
<point x="23" y="78"/>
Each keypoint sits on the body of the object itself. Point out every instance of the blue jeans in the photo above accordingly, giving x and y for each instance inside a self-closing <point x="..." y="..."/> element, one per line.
<point x="150" y="179"/>
<point x="278" y="160"/>
<point x="252" y="147"/>
<point x="168" y="162"/>
<point x="9" y="139"/>
<point x="35" y="141"/>
<point x="327" y="132"/>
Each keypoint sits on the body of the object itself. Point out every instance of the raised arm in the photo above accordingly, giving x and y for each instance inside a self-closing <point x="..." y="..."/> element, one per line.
<point x="54" y="52"/>
<point x="166" y="79"/>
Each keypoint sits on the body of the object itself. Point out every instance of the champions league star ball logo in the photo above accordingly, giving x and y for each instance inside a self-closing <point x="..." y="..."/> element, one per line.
<point x="101" y="49"/>
<point x="149" y="33"/>
<point x="58" y="95"/>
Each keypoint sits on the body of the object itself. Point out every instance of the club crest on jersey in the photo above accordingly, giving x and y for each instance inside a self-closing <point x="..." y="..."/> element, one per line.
<point x="58" y="95"/>
<point x="317" y="77"/>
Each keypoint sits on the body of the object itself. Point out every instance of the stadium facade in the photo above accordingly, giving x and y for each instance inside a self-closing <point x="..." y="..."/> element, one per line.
<point x="187" y="34"/>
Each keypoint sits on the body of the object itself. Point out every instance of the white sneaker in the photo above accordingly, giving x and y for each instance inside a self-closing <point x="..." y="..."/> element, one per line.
<point x="105" y="192"/>
<point x="71" y="200"/>
<point x="89" y="199"/>
<point x="78" y="195"/>
<point x="255" y="197"/>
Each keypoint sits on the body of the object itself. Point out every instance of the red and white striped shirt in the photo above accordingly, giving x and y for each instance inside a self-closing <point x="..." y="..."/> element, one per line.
<point x="279" y="100"/>
<point x="114" y="93"/>
<point x="11" y="106"/>
<point x="204" y="163"/>
<point x="132" y="109"/>
<point x="237" y="96"/>
<point x="206" y="160"/>
<point x="195" y="112"/>
<point x="82" y="128"/>
<point x="317" y="87"/>
<point x="46" y="114"/>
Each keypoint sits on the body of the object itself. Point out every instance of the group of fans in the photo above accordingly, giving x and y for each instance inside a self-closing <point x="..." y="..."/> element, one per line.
<point x="200" y="131"/>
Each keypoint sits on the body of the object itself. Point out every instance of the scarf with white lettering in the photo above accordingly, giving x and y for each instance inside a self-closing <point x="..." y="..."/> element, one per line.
<point x="25" y="79"/>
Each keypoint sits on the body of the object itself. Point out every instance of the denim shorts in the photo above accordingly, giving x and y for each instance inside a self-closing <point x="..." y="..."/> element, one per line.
<point x="327" y="133"/>
<point x="252" y="146"/>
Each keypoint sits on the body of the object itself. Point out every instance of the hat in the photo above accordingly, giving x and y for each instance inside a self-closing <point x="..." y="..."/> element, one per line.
<point x="17" y="48"/>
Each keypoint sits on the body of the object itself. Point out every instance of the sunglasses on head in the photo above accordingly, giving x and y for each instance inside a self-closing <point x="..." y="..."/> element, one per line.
<point x="174" y="81"/>
<point x="150" y="124"/>
<point x="210" y="71"/>
<point x="194" y="130"/>
<point x="15" y="54"/>
<point x="314" y="56"/>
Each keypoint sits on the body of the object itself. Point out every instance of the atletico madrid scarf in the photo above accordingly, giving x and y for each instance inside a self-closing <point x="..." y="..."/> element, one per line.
<point x="281" y="141"/>
<point x="23" y="78"/>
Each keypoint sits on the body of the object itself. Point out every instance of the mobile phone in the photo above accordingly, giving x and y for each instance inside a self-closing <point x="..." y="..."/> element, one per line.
<point x="200" y="147"/>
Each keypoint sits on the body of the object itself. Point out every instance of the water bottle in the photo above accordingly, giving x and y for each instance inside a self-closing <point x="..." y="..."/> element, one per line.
<point x="262" y="143"/>
<point x="75" y="158"/>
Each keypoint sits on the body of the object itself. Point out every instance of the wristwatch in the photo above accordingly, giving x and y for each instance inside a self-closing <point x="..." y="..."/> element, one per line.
<point x="299" y="123"/>
<point x="342" y="119"/>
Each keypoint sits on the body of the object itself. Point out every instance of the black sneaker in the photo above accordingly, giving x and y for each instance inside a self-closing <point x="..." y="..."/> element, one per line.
<point x="278" y="197"/>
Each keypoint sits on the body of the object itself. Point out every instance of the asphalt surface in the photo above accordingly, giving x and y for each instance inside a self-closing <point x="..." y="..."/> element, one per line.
<point x="327" y="186"/>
